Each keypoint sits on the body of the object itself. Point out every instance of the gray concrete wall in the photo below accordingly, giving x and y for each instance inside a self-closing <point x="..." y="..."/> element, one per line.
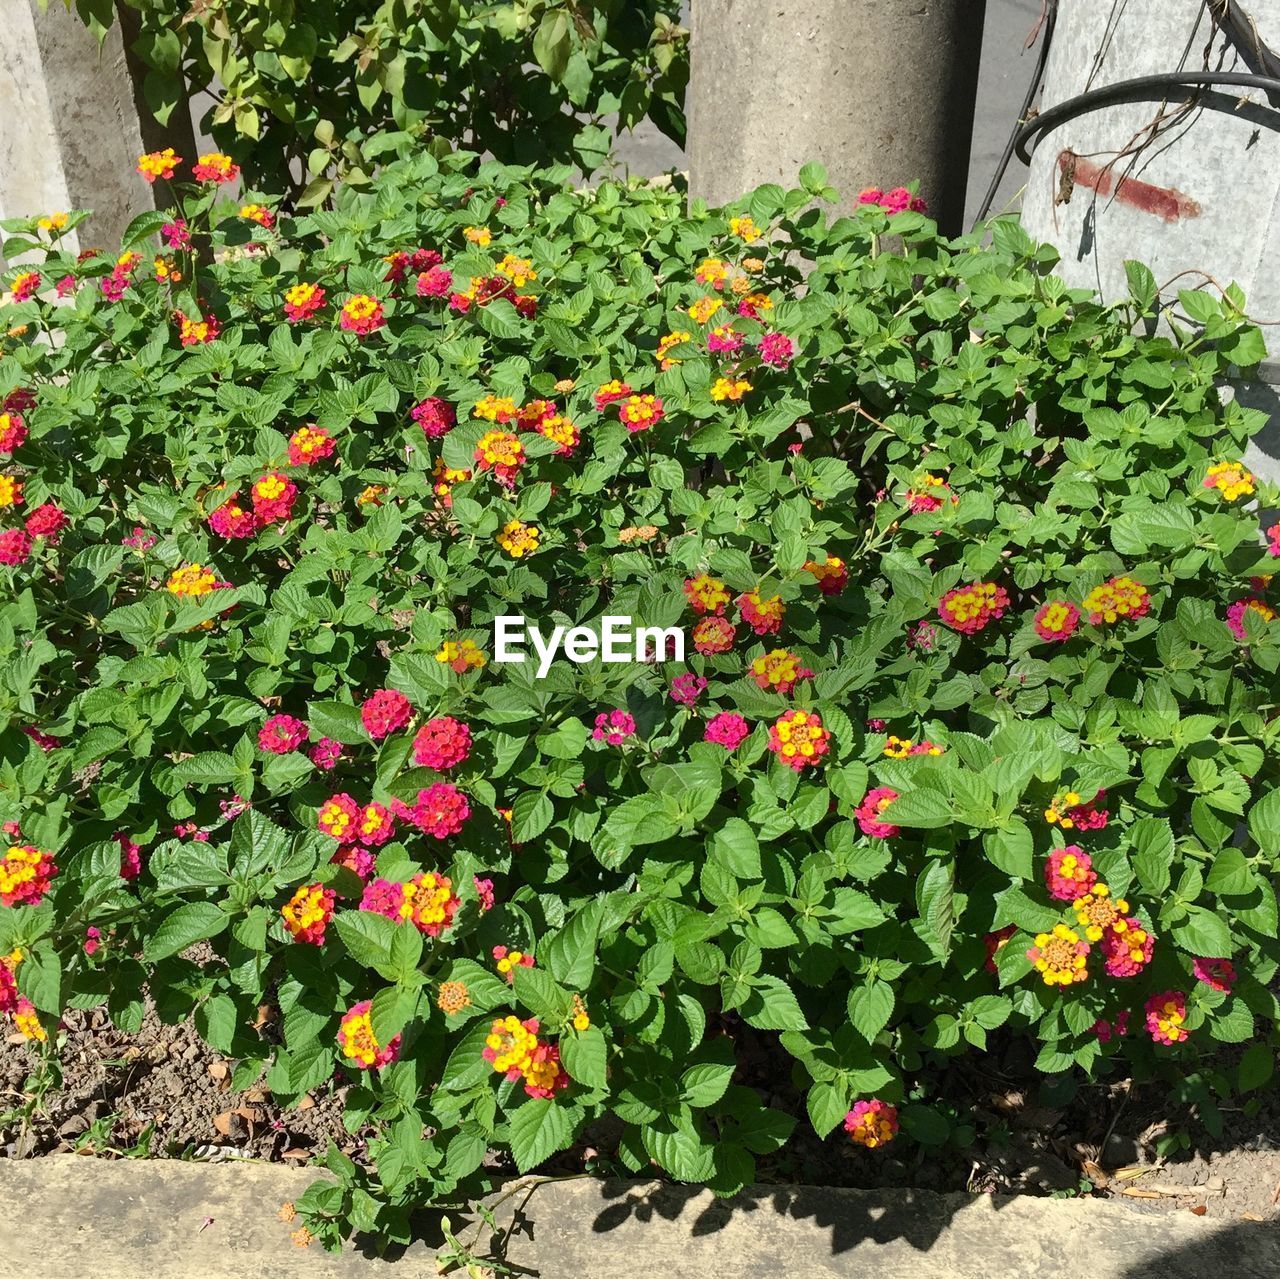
<point x="1005" y="68"/>
<point x="879" y="91"/>
<point x="69" y="131"/>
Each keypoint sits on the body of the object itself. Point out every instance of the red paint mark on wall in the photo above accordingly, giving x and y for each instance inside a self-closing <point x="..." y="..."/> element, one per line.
<point x="1162" y="202"/>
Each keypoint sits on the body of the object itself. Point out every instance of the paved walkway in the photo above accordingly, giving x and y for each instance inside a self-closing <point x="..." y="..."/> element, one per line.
<point x="171" y="1220"/>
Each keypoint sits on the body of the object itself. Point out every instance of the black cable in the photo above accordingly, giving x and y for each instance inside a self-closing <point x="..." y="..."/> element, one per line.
<point x="1051" y="17"/>
<point x="1240" y="28"/>
<point x="1028" y="135"/>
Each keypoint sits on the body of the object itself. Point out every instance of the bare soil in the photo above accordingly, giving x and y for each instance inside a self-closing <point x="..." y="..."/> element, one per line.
<point x="161" y="1092"/>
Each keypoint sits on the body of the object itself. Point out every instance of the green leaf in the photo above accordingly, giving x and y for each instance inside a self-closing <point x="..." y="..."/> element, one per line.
<point x="924" y="807"/>
<point x="257" y="845"/>
<point x="1229" y="874"/>
<point x="703" y="1085"/>
<point x="827" y="1105"/>
<point x="925" y="1124"/>
<point x="1152" y="853"/>
<point x="552" y="43"/>
<point x="196" y="921"/>
<point x="1010" y="849"/>
<point x="538" y="1129"/>
<point x="1257" y="1065"/>
<point x="585" y="1056"/>
<point x="540" y="993"/>
<point x="1205" y="934"/>
<point x="771" y="1006"/>
<point x="209" y="768"/>
<point x="368" y="938"/>
<point x="870" y="1007"/>
<point x="1264" y="822"/>
<point x="532" y="813"/>
<point x="570" y="954"/>
<point x="935" y="900"/>
<point x="337" y="720"/>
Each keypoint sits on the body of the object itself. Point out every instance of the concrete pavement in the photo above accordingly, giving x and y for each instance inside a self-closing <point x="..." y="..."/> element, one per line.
<point x="166" y="1219"/>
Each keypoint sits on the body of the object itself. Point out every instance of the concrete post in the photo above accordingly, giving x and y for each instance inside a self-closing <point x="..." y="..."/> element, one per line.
<point x="70" y="130"/>
<point x="879" y="91"/>
<point x="1187" y="183"/>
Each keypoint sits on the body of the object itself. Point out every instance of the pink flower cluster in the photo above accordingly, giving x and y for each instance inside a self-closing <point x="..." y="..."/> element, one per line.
<point x="727" y="729"/>
<point x="868" y="813"/>
<point x="614" y="727"/>
<point x="282" y="734"/>
<point x="1069" y="873"/>
<point x="688" y="688"/>
<point x="384" y="712"/>
<point x="895" y="200"/>
<point x="437" y="417"/>
<point x="438" y="811"/>
<point x="442" y="743"/>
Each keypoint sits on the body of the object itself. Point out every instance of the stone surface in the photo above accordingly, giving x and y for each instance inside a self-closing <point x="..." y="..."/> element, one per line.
<point x="879" y="91"/>
<point x="124" y="1220"/>
<point x="70" y="133"/>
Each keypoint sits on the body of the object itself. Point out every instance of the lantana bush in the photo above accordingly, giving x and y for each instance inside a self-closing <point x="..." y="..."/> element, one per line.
<point x="973" y="737"/>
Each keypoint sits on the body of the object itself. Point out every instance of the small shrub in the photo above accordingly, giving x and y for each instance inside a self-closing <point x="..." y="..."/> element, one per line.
<point x="303" y="89"/>
<point x="975" y="733"/>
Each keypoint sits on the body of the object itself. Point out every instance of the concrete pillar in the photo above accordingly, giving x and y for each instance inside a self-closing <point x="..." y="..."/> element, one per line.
<point x="1184" y="183"/>
<point x="70" y="128"/>
<point x="879" y="91"/>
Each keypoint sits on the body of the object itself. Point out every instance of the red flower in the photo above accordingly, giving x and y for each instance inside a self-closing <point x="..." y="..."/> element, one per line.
<point x="384" y="712"/>
<point x="610" y="393"/>
<point x="25" y="873"/>
<point x="968" y="609"/>
<point x="130" y="856"/>
<point x="435" y="416"/>
<point x="308" y="445"/>
<point x="15" y="546"/>
<point x="176" y="234"/>
<point x="215" y="167"/>
<point x="713" y="635"/>
<point x="273" y="498"/>
<point x="442" y="744"/>
<point x="282" y="734"/>
<point x="47" y="521"/>
<point x="435" y="282"/>
<point x="868" y="813"/>
<point x="302" y="301"/>
<point x="13" y="431"/>
<point x="438" y="811"/>
<point x="232" y="521"/>
<point x="375" y="825"/>
<point x="325" y="754"/>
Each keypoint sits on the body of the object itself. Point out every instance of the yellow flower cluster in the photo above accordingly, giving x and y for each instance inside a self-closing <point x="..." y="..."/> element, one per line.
<point x="518" y="270"/>
<point x="1230" y="479"/>
<point x="453" y="998"/>
<point x="729" y="388"/>
<point x="1097" y="911"/>
<point x="519" y="539"/>
<point x="191" y="581"/>
<point x="495" y="408"/>
<point x="461" y="655"/>
<point x="1060" y="956"/>
<point x="512" y="1045"/>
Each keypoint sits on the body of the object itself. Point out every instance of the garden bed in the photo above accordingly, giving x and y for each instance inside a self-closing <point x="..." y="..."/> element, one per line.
<point x="944" y="803"/>
<point x="164" y="1093"/>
